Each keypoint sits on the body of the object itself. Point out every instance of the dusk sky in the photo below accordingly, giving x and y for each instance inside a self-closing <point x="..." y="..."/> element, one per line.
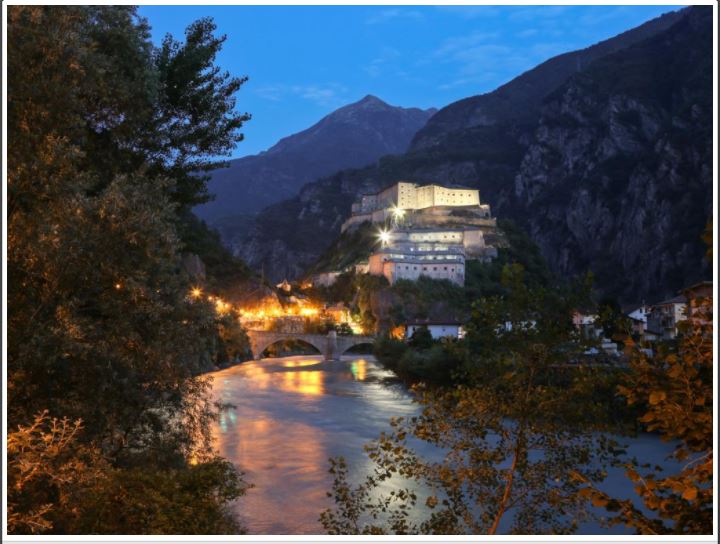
<point x="304" y="62"/>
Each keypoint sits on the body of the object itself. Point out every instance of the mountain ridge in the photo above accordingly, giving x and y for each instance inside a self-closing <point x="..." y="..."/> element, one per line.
<point x="354" y="135"/>
<point x="519" y="99"/>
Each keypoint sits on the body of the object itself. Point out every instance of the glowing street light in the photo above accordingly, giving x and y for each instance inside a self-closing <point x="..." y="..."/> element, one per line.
<point x="196" y="292"/>
<point x="398" y="213"/>
<point x="384" y="237"/>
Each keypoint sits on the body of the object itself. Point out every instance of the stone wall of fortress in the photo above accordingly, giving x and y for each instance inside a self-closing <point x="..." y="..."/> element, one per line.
<point x="428" y="217"/>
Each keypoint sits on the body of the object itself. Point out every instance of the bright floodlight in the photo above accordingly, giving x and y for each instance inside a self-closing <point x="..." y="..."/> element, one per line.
<point x="398" y="212"/>
<point x="384" y="236"/>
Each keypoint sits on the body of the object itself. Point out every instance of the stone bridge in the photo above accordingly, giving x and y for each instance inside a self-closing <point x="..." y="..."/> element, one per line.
<point x="330" y="345"/>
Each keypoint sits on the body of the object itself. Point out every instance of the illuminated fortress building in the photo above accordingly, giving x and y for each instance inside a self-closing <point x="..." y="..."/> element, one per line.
<point x="411" y="197"/>
<point x="428" y="230"/>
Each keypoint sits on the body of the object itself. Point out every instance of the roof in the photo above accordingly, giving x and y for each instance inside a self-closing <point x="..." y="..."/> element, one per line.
<point x="697" y="286"/>
<point x="418" y="185"/>
<point x="434" y="322"/>
<point x="680" y="299"/>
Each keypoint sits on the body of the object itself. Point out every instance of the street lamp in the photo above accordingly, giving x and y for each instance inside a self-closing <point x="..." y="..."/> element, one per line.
<point x="384" y="237"/>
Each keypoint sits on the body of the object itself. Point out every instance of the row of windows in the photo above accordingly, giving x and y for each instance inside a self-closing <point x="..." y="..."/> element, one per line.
<point x="426" y="268"/>
<point x="400" y="257"/>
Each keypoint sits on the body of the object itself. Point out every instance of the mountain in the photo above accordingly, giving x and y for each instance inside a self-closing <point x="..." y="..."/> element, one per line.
<point x="352" y="136"/>
<point x="608" y="166"/>
<point x="619" y="176"/>
<point x="519" y="101"/>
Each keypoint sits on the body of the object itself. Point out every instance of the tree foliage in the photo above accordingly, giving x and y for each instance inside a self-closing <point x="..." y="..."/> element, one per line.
<point x="675" y="391"/>
<point x="511" y="436"/>
<point x="106" y="137"/>
<point x="64" y="486"/>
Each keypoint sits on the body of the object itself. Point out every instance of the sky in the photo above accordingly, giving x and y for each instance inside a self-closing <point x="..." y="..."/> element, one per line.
<point x="304" y="62"/>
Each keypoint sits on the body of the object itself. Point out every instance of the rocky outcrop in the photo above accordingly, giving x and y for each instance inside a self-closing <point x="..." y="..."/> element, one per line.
<point x="618" y="178"/>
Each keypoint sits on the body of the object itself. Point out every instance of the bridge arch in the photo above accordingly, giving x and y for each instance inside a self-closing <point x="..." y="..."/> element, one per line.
<point x="329" y="345"/>
<point x="261" y="347"/>
<point x="352" y="345"/>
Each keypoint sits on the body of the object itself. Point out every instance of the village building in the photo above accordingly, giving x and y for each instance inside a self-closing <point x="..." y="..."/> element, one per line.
<point x="664" y="317"/>
<point x="588" y="323"/>
<point x="638" y="318"/>
<point x="445" y="328"/>
<point x="695" y="295"/>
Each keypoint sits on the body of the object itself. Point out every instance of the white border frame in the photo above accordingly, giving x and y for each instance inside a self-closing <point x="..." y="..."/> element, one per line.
<point x="359" y="538"/>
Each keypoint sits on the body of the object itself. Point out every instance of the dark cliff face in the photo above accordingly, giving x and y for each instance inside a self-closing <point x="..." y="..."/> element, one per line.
<point x="353" y="136"/>
<point x="611" y="173"/>
<point x="618" y="178"/>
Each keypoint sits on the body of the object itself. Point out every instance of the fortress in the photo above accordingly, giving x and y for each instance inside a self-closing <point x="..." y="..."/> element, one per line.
<point x="429" y="230"/>
<point x="411" y="197"/>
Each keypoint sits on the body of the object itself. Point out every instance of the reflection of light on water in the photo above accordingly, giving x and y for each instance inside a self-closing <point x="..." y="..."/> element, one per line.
<point x="306" y="382"/>
<point x="223" y="422"/>
<point x="359" y="369"/>
<point x="227" y="418"/>
<point x="282" y="440"/>
<point x="277" y="374"/>
<point x="302" y="362"/>
<point x="290" y="416"/>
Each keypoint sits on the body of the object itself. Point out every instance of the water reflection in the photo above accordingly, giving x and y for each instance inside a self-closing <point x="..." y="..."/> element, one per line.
<point x="305" y="382"/>
<point x="290" y="415"/>
<point x="358" y="369"/>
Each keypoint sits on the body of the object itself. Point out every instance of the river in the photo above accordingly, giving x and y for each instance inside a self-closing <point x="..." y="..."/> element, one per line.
<point x="291" y="414"/>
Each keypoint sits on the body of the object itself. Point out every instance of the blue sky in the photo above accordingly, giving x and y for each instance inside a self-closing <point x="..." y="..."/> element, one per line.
<point x="306" y="61"/>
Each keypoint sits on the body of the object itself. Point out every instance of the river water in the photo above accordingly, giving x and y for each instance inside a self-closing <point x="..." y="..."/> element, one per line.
<point x="291" y="414"/>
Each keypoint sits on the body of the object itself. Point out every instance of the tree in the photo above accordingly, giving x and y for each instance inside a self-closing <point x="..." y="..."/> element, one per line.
<point x="675" y="390"/>
<point x="421" y="338"/>
<point x="101" y="329"/>
<point x="48" y="472"/>
<point x="58" y="484"/>
<point x="195" y="118"/>
<point x="89" y="89"/>
<point x="512" y="436"/>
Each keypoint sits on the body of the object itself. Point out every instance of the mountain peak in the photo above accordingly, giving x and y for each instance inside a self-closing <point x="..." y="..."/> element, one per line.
<point x="352" y="136"/>
<point x="372" y="99"/>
